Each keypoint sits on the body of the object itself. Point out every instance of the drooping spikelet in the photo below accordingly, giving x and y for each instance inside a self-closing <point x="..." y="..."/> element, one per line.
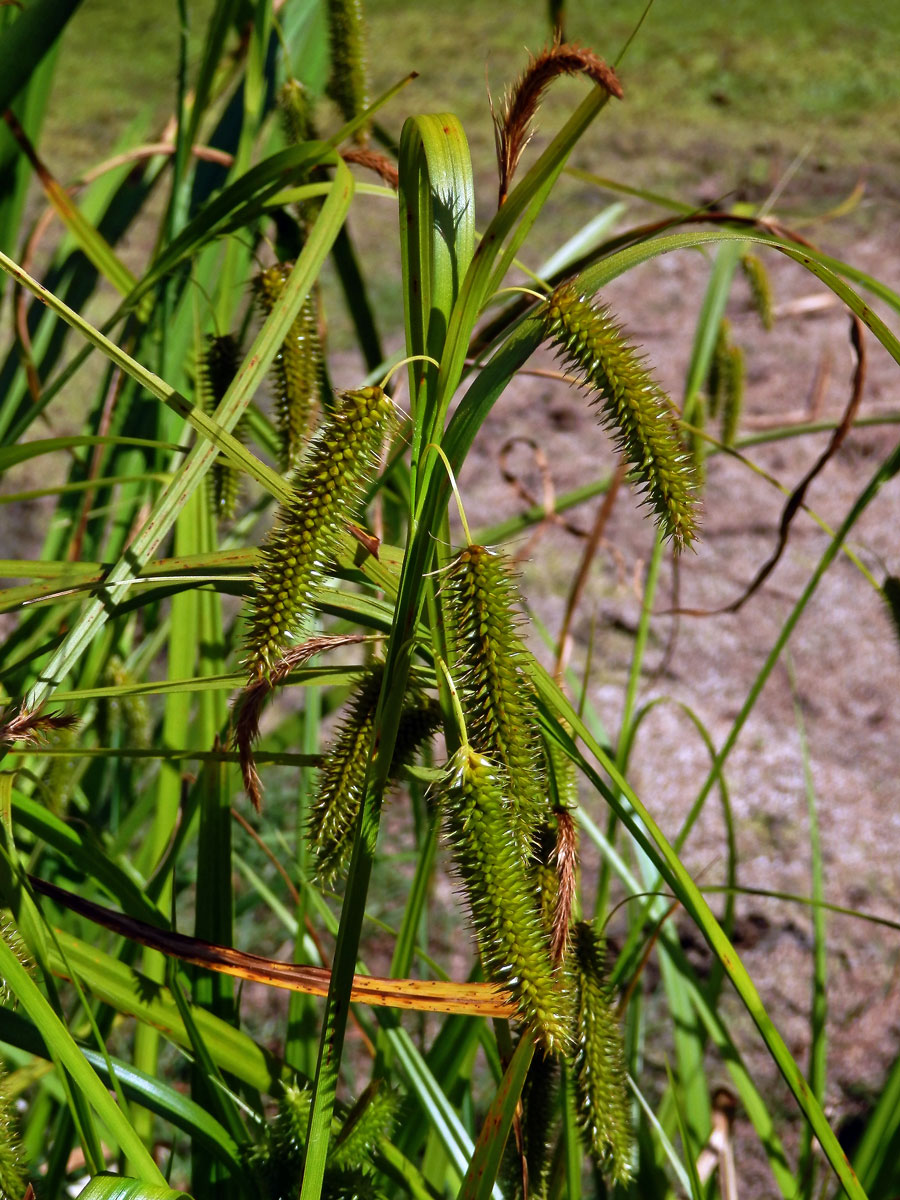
<point x="217" y="371"/>
<point x="131" y="712"/>
<point x="371" y="1118"/>
<point x="760" y="288"/>
<point x="696" y="442"/>
<point x="599" y="1075"/>
<point x="718" y="368"/>
<point x="296" y="107"/>
<point x="346" y="37"/>
<point x="556" y="855"/>
<point x="333" y="814"/>
<point x="326" y="489"/>
<point x="733" y="397"/>
<point x="295" y="369"/>
<point x="13" y="1170"/>
<point x="501" y="894"/>
<point x="498" y="699"/>
<point x="634" y="407"/>
<point x="10" y="934"/>
<point x="512" y="128"/>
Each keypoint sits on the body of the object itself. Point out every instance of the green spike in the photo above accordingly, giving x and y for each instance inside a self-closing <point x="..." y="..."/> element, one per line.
<point x="634" y="407"/>
<point x="599" y="1068"/>
<point x="332" y="816"/>
<point x="501" y="894"/>
<point x="326" y="489"/>
<point x="295" y="371"/>
<point x="498" y="698"/>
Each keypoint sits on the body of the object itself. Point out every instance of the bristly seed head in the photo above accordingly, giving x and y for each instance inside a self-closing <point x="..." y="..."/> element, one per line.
<point x="217" y="371"/>
<point x="599" y="1071"/>
<point x="480" y="600"/>
<point x="295" y="369"/>
<point x="502" y="895"/>
<point x="634" y="408"/>
<point x="334" y="811"/>
<point x="327" y="487"/>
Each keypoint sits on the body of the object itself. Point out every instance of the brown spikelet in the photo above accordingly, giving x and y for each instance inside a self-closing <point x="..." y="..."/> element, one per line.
<point x="252" y="700"/>
<point x="32" y="728"/>
<point x="373" y="161"/>
<point x="566" y="859"/>
<point x="512" y="129"/>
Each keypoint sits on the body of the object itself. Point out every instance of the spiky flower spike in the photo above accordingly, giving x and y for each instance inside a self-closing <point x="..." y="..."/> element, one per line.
<point x="349" y="1165"/>
<point x="760" y="288"/>
<point x="480" y="600"/>
<point x="218" y="368"/>
<point x="296" y="111"/>
<point x="512" y="129"/>
<point x="346" y="37"/>
<point x="13" y="1176"/>
<point x="501" y="894"/>
<point x="600" y="1087"/>
<point x="333" y="814"/>
<point x="295" y="370"/>
<point x="528" y="1164"/>
<point x="634" y="407"/>
<point x="733" y="395"/>
<point x="326" y="489"/>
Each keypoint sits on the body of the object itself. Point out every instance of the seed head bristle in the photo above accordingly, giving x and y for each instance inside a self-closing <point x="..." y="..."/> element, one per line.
<point x="326" y="488"/>
<point x="599" y="1068"/>
<point x="500" y="891"/>
<point x="296" y="107"/>
<point x="252" y="700"/>
<point x="512" y="129"/>
<point x="498" y="699"/>
<point x="32" y="728"/>
<point x="13" y="1167"/>
<point x="333" y="813"/>
<point x="760" y="288"/>
<point x="347" y="81"/>
<point x="218" y="368"/>
<point x="295" y="368"/>
<point x="634" y="408"/>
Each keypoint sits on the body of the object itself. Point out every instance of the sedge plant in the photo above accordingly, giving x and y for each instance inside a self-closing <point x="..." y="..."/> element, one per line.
<point x="247" y="599"/>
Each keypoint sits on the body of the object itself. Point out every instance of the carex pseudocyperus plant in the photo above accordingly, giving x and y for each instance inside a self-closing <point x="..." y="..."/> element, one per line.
<point x="227" y="522"/>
